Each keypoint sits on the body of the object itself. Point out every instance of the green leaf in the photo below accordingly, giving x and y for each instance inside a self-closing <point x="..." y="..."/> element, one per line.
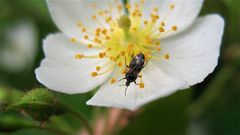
<point x="10" y="122"/>
<point x="39" y="104"/>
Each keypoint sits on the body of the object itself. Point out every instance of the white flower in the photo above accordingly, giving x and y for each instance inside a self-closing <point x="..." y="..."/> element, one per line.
<point x="19" y="46"/>
<point x="94" y="43"/>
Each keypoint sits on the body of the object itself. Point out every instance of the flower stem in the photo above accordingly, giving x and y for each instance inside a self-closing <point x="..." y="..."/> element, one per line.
<point x="81" y="118"/>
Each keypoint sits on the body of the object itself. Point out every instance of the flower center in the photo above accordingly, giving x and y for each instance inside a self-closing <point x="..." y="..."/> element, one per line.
<point x="125" y="37"/>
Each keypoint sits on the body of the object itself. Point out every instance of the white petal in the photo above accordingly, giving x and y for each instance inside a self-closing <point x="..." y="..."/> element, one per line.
<point x="157" y="84"/>
<point x="67" y="14"/>
<point x="194" y="53"/>
<point x="183" y="15"/>
<point x="60" y="70"/>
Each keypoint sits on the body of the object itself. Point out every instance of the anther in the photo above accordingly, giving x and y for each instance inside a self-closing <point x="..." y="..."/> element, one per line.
<point x="128" y="6"/>
<point x="90" y="46"/>
<point x="162" y="23"/>
<point x="120" y="7"/>
<point x="74" y="40"/>
<point x="104" y="31"/>
<point x="155" y="9"/>
<point x="130" y="45"/>
<point x="145" y="22"/>
<point x="113" y="80"/>
<point x="101" y="55"/>
<point x="124" y="71"/>
<point x="79" y="56"/>
<point x="107" y="38"/>
<point x="94" y="17"/>
<point x="161" y="29"/>
<point x="166" y="56"/>
<point x="141" y="85"/>
<point x="134" y="29"/>
<point x="109" y="49"/>
<point x="108" y="19"/>
<point x="94" y="74"/>
<point x="174" y="28"/>
<point x="79" y="24"/>
<point x="98" y="68"/>
<point x="171" y="6"/>
<point x="119" y="64"/>
<point x="86" y="37"/>
<point x="84" y="30"/>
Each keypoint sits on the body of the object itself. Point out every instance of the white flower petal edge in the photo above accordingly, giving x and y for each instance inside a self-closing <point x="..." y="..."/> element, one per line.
<point x="157" y="84"/>
<point x="182" y="15"/>
<point x="67" y="14"/>
<point x="194" y="53"/>
<point x="60" y="71"/>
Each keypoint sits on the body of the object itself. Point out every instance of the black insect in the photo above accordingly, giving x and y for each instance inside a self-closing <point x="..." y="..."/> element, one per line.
<point x="135" y="67"/>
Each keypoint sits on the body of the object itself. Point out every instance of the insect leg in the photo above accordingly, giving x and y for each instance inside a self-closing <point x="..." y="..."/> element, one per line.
<point x="136" y="82"/>
<point x="121" y="79"/>
<point x="126" y="91"/>
<point x="145" y="64"/>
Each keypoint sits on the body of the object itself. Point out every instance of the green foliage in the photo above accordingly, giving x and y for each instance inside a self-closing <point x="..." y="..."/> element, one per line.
<point x="10" y="122"/>
<point x="39" y="104"/>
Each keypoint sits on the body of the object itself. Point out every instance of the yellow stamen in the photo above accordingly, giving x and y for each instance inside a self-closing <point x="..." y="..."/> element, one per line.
<point x="167" y="56"/>
<point x="145" y="22"/>
<point x="90" y="46"/>
<point x="119" y="64"/>
<point x="174" y="28"/>
<point x="98" y="68"/>
<point x="161" y="29"/>
<point x="94" y="74"/>
<point x="73" y="40"/>
<point x="123" y="37"/>
<point x="172" y="6"/>
<point x="113" y="80"/>
<point x="84" y="30"/>
<point x="155" y="9"/>
<point x="86" y="37"/>
<point x="101" y="55"/>
<point x="94" y="17"/>
<point x="79" y="56"/>
<point x="141" y="85"/>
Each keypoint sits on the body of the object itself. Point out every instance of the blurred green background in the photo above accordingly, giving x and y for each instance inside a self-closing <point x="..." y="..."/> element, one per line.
<point x="209" y="108"/>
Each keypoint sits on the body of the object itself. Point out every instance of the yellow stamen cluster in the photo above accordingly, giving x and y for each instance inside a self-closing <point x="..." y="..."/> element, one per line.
<point x="125" y="37"/>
